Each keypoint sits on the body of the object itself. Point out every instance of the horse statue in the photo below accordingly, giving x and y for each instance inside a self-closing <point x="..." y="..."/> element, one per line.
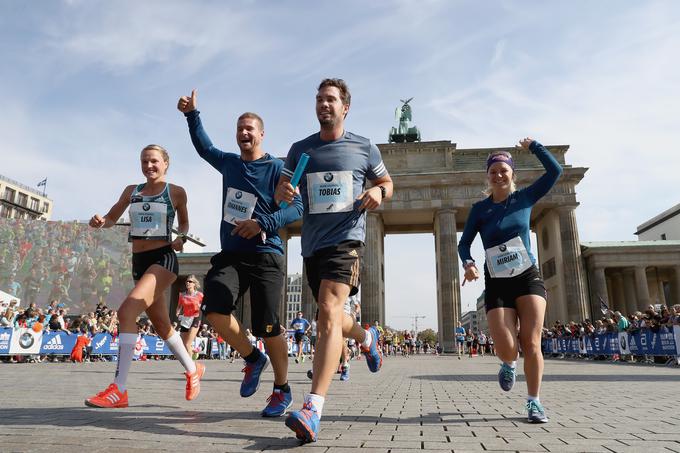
<point x="403" y="132"/>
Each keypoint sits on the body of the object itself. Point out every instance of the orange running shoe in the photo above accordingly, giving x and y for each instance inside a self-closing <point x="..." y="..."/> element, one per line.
<point x="109" y="398"/>
<point x="194" y="381"/>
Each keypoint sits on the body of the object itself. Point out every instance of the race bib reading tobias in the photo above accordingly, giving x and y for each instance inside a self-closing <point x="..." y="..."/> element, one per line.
<point x="508" y="260"/>
<point x="330" y="191"/>
<point x="148" y="219"/>
<point x="238" y="205"/>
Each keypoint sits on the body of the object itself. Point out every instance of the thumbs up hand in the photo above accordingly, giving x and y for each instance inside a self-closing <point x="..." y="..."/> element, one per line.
<point x="187" y="104"/>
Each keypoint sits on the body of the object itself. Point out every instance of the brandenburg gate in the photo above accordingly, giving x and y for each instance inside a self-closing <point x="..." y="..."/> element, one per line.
<point x="435" y="184"/>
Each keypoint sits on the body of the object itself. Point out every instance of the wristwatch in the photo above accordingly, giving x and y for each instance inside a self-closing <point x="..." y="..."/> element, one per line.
<point x="468" y="263"/>
<point x="183" y="237"/>
<point x="383" y="192"/>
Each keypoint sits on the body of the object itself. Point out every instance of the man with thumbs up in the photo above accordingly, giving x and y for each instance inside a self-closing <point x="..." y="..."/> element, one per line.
<point x="252" y="251"/>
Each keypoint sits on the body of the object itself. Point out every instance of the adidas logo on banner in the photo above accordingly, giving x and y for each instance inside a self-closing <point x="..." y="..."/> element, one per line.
<point x="54" y="344"/>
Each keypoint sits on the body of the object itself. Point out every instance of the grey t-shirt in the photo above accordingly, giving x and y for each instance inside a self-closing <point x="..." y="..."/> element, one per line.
<point x="335" y="176"/>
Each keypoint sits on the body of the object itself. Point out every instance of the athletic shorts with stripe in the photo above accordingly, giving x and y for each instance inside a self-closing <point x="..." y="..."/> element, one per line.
<point x="340" y="263"/>
<point x="230" y="276"/>
<point x="164" y="257"/>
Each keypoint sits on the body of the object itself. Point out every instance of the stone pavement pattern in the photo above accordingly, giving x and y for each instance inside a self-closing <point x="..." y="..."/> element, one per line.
<point x="420" y="403"/>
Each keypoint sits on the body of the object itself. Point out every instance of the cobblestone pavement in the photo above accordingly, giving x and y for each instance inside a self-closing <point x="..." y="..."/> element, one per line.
<point x="419" y="403"/>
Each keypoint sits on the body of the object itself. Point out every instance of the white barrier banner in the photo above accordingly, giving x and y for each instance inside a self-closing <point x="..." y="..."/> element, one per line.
<point x="676" y="333"/>
<point x="25" y="341"/>
<point x="623" y="343"/>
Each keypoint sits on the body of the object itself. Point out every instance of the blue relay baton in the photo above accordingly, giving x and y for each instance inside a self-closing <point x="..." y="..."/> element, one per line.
<point x="295" y="180"/>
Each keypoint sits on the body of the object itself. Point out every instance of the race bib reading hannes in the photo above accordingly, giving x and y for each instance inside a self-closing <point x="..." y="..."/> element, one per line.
<point x="238" y="205"/>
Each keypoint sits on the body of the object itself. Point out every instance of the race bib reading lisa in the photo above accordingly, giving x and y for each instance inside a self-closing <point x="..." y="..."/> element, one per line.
<point x="508" y="260"/>
<point x="238" y="205"/>
<point x="330" y="191"/>
<point x="148" y="219"/>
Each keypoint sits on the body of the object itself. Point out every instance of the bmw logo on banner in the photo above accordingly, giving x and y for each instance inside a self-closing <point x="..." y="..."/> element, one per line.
<point x="25" y="341"/>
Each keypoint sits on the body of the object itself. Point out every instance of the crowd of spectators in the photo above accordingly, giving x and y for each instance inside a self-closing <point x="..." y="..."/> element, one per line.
<point x="654" y="318"/>
<point x="65" y="261"/>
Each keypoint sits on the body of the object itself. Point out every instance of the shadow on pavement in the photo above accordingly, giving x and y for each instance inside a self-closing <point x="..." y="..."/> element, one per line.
<point x="555" y="377"/>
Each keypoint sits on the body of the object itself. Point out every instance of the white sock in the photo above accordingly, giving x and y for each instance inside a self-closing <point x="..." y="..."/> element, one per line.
<point x="180" y="352"/>
<point x="512" y="364"/>
<point x="533" y="398"/>
<point x="316" y="402"/>
<point x="126" y="351"/>
<point x="367" y="341"/>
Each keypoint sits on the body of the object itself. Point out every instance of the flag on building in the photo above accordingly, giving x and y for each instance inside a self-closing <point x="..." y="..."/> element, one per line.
<point x="42" y="183"/>
<point x="604" y="308"/>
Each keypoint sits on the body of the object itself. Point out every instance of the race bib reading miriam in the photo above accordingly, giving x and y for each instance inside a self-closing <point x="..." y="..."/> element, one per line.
<point x="508" y="260"/>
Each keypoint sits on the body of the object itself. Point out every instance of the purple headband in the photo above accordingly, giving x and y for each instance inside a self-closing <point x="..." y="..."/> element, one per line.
<point x="499" y="158"/>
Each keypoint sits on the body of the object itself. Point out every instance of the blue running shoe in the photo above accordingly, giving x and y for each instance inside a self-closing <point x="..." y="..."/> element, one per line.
<point x="253" y="373"/>
<point x="344" y="373"/>
<point x="278" y="404"/>
<point x="535" y="412"/>
<point x="373" y="353"/>
<point x="506" y="377"/>
<point x="305" y="423"/>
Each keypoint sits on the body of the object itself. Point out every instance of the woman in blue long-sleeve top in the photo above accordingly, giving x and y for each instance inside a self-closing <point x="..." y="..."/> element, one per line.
<point x="514" y="289"/>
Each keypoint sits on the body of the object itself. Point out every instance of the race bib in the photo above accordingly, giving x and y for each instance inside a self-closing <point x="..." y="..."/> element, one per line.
<point x="508" y="260"/>
<point x="238" y="205"/>
<point x="330" y="191"/>
<point x="186" y="321"/>
<point x="148" y="219"/>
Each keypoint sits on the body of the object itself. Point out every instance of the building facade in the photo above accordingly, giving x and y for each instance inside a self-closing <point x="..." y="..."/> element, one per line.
<point x="293" y="297"/>
<point x="663" y="227"/>
<point x="469" y="320"/>
<point x="18" y="201"/>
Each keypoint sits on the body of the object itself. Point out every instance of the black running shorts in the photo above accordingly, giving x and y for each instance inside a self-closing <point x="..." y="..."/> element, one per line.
<point x="339" y="263"/>
<point x="232" y="274"/>
<point x="503" y="292"/>
<point x="164" y="257"/>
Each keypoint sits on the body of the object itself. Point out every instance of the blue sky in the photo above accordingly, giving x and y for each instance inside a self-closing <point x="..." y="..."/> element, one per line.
<point x="86" y="84"/>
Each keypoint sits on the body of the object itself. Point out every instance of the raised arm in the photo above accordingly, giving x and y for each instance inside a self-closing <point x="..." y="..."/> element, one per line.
<point x="110" y="218"/>
<point x="199" y="137"/>
<point x="553" y="169"/>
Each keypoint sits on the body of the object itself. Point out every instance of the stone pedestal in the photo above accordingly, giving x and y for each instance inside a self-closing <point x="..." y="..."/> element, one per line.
<point x="448" y="284"/>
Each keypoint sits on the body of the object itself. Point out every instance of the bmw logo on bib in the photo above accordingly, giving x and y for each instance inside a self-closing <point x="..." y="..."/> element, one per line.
<point x="502" y="248"/>
<point x="238" y="195"/>
<point x="328" y="177"/>
<point x="146" y="206"/>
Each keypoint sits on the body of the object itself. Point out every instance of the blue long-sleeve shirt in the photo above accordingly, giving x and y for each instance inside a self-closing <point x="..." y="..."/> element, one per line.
<point x="245" y="178"/>
<point x="497" y="223"/>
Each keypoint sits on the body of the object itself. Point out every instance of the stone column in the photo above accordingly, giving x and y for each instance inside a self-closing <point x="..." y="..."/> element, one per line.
<point x="618" y="293"/>
<point x="675" y="293"/>
<point x="308" y="304"/>
<point x="641" y="287"/>
<point x="448" y="284"/>
<point x="572" y="265"/>
<point x="629" y="290"/>
<point x="661" y="297"/>
<point x="373" y="271"/>
<point x="599" y="288"/>
<point x="283" y="234"/>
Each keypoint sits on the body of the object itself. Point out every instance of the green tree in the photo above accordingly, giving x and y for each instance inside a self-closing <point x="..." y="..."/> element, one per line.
<point x="428" y="336"/>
